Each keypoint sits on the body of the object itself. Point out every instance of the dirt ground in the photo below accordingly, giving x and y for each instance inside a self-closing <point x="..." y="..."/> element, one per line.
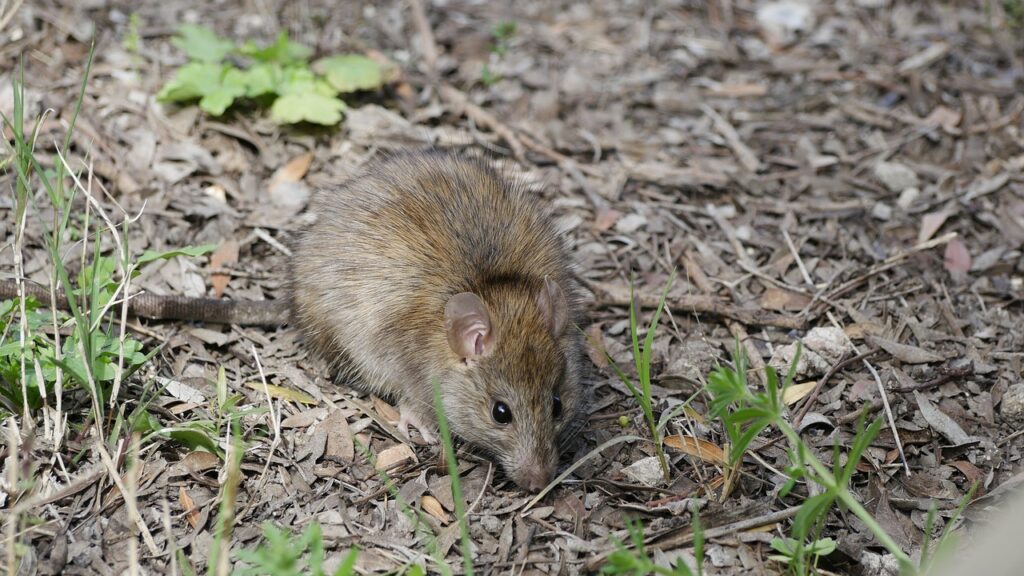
<point x="856" y="168"/>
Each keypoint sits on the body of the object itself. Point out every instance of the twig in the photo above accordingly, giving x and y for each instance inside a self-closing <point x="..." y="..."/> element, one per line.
<point x="611" y="295"/>
<point x="950" y="374"/>
<point x="685" y="536"/>
<point x="133" y="510"/>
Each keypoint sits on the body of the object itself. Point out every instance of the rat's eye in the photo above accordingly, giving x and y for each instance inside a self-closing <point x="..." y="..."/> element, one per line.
<point x="556" y="406"/>
<point x="501" y="413"/>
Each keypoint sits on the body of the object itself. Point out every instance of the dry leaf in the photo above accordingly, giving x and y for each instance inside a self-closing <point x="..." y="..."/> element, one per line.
<point x="199" y="461"/>
<point x="339" y="437"/>
<point x="904" y="352"/>
<point x="434" y="508"/>
<point x="595" y="346"/>
<point x="707" y="451"/>
<point x="794" y="393"/>
<point x="385" y="410"/>
<point x="293" y="171"/>
<point x="784" y="300"/>
<point x="189" y="506"/>
<point x="606" y="218"/>
<point x="745" y="90"/>
<point x="930" y="224"/>
<point x="941" y="422"/>
<point x="396" y="455"/>
<point x="957" y="258"/>
<point x="225" y="255"/>
<point x="283" y="393"/>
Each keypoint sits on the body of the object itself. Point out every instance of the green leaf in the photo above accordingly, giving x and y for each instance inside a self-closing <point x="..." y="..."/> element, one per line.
<point x="281" y="50"/>
<point x="191" y="81"/>
<point x="262" y="79"/>
<point x="350" y="72"/>
<point x="150" y="255"/>
<point x="217" y="101"/>
<point x="307" y="107"/>
<point x="202" y="44"/>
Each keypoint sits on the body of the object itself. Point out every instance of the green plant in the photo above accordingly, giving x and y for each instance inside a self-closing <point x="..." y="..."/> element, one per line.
<point x="453" y="472"/>
<point x="636" y="562"/>
<point x="1014" y="10"/>
<point x="642" y="359"/>
<point x="745" y="414"/>
<point x="285" y="555"/>
<point x="790" y="548"/>
<point x="220" y="73"/>
<point x="501" y="40"/>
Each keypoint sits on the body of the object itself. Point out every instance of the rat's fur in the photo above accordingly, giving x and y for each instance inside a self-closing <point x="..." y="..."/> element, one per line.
<point x="389" y="249"/>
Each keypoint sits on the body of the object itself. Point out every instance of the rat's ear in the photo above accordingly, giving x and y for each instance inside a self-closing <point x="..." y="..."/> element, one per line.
<point x="554" y="309"/>
<point x="468" y="325"/>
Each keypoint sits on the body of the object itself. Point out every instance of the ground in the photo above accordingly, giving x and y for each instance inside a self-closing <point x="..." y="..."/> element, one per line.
<point x="852" y="167"/>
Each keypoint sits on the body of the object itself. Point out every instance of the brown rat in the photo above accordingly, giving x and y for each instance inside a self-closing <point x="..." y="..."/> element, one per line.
<point x="432" y="266"/>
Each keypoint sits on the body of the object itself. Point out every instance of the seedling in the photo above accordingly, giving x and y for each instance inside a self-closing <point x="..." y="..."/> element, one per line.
<point x="501" y="37"/>
<point x="285" y="555"/>
<point x="641" y="391"/>
<point x="636" y="562"/>
<point x="221" y="74"/>
<point x="746" y="413"/>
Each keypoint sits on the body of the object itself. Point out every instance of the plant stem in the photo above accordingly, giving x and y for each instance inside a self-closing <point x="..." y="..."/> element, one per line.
<point x="828" y="481"/>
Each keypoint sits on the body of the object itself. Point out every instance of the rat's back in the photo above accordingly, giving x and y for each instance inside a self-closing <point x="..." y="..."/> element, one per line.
<point x="373" y="274"/>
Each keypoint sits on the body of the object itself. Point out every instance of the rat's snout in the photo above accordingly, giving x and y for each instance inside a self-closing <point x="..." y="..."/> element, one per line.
<point x="534" y="478"/>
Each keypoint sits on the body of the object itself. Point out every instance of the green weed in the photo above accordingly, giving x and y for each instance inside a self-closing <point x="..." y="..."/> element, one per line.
<point x="221" y="73"/>
<point x="501" y="41"/>
<point x="641" y="391"/>
<point x="746" y="413"/>
<point x="285" y="555"/>
<point x="636" y="562"/>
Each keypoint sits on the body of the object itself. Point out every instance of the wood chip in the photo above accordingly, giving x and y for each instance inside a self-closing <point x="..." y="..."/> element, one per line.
<point x="395" y="456"/>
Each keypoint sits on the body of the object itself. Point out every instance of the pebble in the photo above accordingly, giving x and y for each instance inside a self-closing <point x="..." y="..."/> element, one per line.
<point x="896" y="177"/>
<point x="1012" y="407"/>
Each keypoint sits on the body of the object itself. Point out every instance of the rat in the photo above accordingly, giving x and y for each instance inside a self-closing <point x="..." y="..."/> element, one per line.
<point x="433" y="267"/>
<point x="430" y="266"/>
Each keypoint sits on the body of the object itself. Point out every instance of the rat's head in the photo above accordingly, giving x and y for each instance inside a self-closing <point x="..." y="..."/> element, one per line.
<point x="513" y="385"/>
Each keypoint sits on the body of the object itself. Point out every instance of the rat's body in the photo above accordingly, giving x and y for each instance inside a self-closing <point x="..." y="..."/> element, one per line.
<point x="433" y="267"/>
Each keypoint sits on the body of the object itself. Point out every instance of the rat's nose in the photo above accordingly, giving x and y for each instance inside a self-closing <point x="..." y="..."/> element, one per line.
<point x="535" y="480"/>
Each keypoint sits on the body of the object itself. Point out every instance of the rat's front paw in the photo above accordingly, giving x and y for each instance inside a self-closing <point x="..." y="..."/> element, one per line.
<point x="408" y="416"/>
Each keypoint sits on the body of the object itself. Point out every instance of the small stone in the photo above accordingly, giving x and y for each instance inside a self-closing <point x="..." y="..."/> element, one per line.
<point x="896" y="177"/>
<point x="1012" y="407"/>
<point x="783" y="21"/>
<point x="881" y="211"/>
<point x="908" y="197"/>
<point x="630" y="223"/>
<point x="646" y="471"/>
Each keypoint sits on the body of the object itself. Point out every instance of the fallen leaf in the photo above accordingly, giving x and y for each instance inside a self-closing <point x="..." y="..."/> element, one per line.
<point x="394" y="456"/>
<point x="225" y="255"/>
<point x="941" y="422"/>
<point x="779" y="299"/>
<point x="434" y="508"/>
<point x="303" y="419"/>
<point x="744" y="90"/>
<point x="696" y="447"/>
<point x="957" y="258"/>
<point x="283" y="393"/>
<point x="386" y="411"/>
<point x="595" y="346"/>
<point x="931" y="223"/>
<point x="189" y="506"/>
<point x="199" y="460"/>
<point x="794" y="393"/>
<point x="606" y="218"/>
<point x="284" y="187"/>
<point x="973" y="475"/>
<point x="340" y="445"/>
<point x="904" y="352"/>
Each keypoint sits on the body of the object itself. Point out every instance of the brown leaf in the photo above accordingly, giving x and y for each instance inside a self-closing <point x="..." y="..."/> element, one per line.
<point x="696" y="447"/>
<point x="595" y="346"/>
<point x="785" y="300"/>
<point x="293" y="171"/>
<point x="904" y="352"/>
<point x="199" y="461"/>
<point x="289" y="394"/>
<point x="434" y="508"/>
<point x="395" y="455"/>
<point x="385" y="410"/>
<point x="225" y="255"/>
<point x="941" y="422"/>
<point x="189" y="506"/>
<point x="957" y="258"/>
<point x="606" y="218"/>
<point x="340" y="445"/>
<point x="973" y="475"/>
